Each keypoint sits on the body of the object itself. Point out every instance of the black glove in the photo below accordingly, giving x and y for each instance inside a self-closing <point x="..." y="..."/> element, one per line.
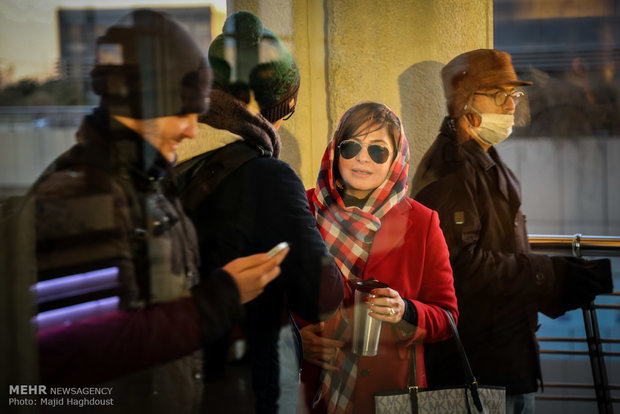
<point x="579" y="281"/>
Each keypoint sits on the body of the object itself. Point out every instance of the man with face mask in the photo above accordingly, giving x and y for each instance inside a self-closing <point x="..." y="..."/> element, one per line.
<point x="500" y="285"/>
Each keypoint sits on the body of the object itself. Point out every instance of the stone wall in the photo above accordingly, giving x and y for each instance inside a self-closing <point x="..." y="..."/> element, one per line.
<point x="350" y="51"/>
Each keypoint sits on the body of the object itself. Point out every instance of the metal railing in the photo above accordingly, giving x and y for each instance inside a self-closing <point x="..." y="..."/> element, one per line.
<point x="580" y="246"/>
<point x="67" y="116"/>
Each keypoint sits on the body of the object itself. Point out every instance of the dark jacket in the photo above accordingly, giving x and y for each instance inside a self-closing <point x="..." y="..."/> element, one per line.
<point x="500" y="284"/>
<point x="104" y="204"/>
<point x="259" y="205"/>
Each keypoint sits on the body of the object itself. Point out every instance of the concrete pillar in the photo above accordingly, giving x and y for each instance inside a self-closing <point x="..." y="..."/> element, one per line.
<point x="350" y="51"/>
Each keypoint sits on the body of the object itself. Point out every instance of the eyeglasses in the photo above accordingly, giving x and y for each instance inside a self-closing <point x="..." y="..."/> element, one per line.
<point x="350" y="148"/>
<point x="500" y="97"/>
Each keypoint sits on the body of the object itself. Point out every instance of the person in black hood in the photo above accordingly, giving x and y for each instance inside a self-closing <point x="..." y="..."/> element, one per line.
<point x="104" y="208"/>
<point x="253" y="203"/>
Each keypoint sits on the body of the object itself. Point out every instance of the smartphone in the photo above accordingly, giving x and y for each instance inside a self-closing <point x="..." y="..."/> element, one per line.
<point x="277" y="249"/>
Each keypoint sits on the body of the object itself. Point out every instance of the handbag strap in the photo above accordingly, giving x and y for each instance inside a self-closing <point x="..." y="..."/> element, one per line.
<point x="413" y="396"/>
<point x="472" y="384"/>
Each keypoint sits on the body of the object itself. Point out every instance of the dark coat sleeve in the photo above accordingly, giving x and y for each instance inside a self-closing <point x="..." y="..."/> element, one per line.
<point x="113" y="345"/>
<point x="310" y="276"/>
<point x="106" y="347"/>
<point x="488" y="241"/>
<point x="259" y="205"/>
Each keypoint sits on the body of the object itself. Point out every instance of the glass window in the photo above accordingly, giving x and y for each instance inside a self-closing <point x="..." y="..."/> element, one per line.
<point x="45" y="68"/>
<point x="566" y="149"/>
<point x="565" y="153"/>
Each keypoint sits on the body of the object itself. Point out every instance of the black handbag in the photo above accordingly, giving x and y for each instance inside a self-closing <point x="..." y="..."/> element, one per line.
<point x="468" y="398"/>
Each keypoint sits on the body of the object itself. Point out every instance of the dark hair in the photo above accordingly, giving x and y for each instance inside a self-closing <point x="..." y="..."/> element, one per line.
<point x="376" y="115"/>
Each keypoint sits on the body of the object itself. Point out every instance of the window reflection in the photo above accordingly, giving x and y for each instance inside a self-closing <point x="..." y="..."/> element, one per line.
<point x="564" y="154"/>
<point x="44" y="98"/>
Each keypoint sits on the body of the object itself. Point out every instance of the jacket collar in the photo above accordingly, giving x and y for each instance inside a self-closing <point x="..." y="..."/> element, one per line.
<point x="123" y="148"/>
<point x="487" y="160"/>
<point x="470" y="149"/>
<point x="477" y="154"/>
<point x="502" y="173"/>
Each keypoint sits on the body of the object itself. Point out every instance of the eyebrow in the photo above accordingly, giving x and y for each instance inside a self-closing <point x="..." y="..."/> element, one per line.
<point x="357" y="138"/>
<point x="379" y="140"/>
<point x="374" y="141"/>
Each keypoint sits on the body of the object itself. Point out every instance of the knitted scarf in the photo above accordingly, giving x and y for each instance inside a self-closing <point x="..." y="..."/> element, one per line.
<point x="349" y="231"/>
<point x="227" y="112"/>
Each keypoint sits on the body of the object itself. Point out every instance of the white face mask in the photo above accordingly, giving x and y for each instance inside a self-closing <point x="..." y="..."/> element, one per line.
<point x="494" y="128"/>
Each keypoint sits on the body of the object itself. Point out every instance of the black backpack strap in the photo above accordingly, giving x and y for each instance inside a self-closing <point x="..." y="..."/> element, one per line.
<point x="199" y="176"/>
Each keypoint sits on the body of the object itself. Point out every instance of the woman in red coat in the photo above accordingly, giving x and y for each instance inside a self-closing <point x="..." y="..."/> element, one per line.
<point x="374" y="231"/>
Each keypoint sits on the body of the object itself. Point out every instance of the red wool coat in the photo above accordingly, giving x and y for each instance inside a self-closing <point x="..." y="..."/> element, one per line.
<point x="408" y="253"/>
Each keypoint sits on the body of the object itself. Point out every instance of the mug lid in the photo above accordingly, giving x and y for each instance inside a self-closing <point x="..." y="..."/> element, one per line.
<point x="367" y="285"/>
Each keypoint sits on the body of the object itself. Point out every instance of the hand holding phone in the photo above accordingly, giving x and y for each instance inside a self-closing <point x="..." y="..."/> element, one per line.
<point x="253" y="273"/>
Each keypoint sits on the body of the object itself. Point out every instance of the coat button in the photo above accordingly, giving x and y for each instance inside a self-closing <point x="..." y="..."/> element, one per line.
<point x="365" y="372"/>
<point x="540" y="278"/>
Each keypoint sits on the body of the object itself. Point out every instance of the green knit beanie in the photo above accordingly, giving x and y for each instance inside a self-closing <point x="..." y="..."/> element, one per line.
<point x="248" y="56"/>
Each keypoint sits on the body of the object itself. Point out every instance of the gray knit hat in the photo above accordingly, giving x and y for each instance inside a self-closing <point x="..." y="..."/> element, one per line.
<point x="248" y="56"/>
<point x="148" y="66"/>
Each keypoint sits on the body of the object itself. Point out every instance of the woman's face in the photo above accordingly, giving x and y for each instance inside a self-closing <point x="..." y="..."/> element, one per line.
<point x="360" y="174"/>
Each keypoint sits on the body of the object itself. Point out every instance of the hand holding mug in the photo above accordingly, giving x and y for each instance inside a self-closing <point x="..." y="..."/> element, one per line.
<point x="386" y="305"/>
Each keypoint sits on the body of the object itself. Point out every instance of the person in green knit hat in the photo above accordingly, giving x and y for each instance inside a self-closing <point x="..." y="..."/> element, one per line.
<point x="242" y="199"/>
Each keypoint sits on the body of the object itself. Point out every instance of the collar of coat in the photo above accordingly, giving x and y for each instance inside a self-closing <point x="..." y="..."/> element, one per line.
<point x="446" y="155"/>
<point x="105" y="143"/>
<point x="453" y="152"/>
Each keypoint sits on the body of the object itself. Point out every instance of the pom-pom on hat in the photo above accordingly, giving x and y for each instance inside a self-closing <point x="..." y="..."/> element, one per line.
<point x="471" y="71"/>
<point x="249" y="57"/>
<point x="148" y="66"/>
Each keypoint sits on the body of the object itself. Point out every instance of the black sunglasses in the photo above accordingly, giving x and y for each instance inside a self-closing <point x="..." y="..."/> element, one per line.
<point x="350" y="148"/>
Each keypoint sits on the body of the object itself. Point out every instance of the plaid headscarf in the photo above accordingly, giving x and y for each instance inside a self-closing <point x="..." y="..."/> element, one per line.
<point x="349" y="231"/>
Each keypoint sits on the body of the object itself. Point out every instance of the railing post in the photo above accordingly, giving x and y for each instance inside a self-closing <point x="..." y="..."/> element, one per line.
<point x="597" y="362"/>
